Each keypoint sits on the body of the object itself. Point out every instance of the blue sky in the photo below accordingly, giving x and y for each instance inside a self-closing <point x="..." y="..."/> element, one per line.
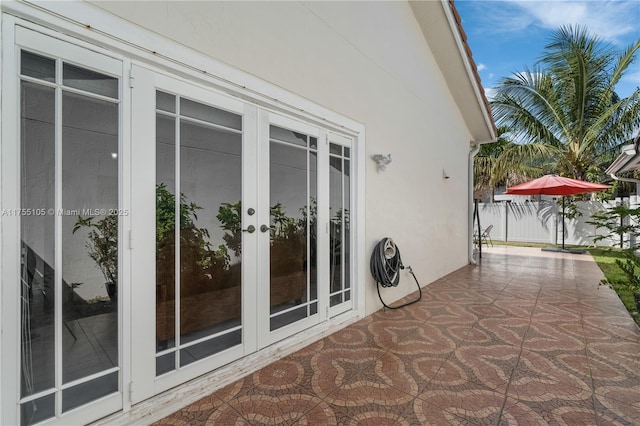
<point x="507" y="35"/>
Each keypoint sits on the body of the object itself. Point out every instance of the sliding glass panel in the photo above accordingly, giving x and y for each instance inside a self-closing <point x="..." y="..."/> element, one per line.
<point x="90" y="220"/>
<point x="347" y="225"/>
<point x="204" y="298"/>
<point x="69" y="241"/>
<point x="90" y="81"/>
<point x="89" y="391"/>
<point x="311" y="219"/>
<point x="335" y="229"/>
<point x="165" y="363"/>
<point x="38" y="240"/>
<point x="210" y="235"/>
<point x="284" y="135"/>
<point x="165" y="102"/>
<point x="339" y="225"/>
<point x="201" y="350"/>
<point x="165" y="231"/>
<point x="39" y="409"/>
<point x="37" y="66"/>
<point x="189" y="108"/>
<point x="293" y="189"/>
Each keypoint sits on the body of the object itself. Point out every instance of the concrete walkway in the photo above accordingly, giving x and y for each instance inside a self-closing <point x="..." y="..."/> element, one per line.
<point x="527" y="337"/>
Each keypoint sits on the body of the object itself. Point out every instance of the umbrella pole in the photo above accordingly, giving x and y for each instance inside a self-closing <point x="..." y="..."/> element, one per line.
<point x="562" y="223"/>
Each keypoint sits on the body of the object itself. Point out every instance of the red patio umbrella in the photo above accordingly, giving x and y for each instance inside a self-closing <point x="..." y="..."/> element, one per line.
<point x="556" y="185"/>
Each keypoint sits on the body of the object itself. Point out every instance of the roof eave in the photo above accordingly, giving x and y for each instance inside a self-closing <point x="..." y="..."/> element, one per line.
<point x="628" y="160"/>
<point x="447" y="40"/>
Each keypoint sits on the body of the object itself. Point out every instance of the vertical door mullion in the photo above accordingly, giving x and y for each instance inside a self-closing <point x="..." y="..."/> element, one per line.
<point x="249" y="199"/>
<point x="10" y="247"/>
<point x="323" y="227"/>
<point x="249" y="260"/>
<point x="308" y="226"/>
<point x="263" y="280"/>
<point x="143" y="221"/>
<point x="342" y="230"/>
<point x="176" y="304"/>
<point x="58" y="237"/>
<point x="124" y="253"/>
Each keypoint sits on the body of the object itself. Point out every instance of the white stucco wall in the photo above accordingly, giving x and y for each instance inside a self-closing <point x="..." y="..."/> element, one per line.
<point x="368" y="61"/>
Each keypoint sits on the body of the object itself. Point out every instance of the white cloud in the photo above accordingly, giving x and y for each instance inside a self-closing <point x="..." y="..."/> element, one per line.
<point x="481" y="67"/>
<point x="609" y="19"/>
<point x="491" y="75"/>
<point x="632" y="76"/>
<point x="490" y="93"/>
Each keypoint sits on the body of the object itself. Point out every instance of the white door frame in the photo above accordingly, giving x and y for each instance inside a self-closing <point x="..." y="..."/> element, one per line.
<point x="14" y="38"/>
<point x="267" y="337"/>
<point x="146" y="83"/>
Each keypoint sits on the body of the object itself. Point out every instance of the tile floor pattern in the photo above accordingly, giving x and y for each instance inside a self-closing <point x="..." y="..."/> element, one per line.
<point x="526" y="338"/>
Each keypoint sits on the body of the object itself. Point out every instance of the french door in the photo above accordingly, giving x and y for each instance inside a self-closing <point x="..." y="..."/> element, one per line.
<point x="291" y="264"/>
<point x="232" y="222"/>
<point x="192" y="311"/>
<point x="71" y="211"/>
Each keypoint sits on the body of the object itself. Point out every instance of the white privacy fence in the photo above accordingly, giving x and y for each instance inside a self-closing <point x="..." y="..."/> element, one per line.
<point x="541" y="222"/>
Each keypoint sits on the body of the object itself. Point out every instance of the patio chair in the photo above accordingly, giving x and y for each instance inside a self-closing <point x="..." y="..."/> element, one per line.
<point x="486" y="235"/>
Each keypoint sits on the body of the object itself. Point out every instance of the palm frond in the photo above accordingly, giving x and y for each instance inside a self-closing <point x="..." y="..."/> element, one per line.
<point x="568" y="101"/>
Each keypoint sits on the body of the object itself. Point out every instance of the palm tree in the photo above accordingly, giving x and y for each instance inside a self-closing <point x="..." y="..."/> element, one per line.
<point x="567" y="108"/>
<point x="505" y="163"/>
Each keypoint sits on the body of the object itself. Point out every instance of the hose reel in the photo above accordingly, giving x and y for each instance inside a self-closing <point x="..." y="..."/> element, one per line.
<point x="386" y="265"/>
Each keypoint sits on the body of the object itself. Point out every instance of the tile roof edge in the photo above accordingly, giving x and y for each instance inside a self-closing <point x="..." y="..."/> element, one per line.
<point x="472" y="62"/>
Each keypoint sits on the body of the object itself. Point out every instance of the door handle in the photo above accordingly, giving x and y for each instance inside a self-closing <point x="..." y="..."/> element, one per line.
<point x="250" y="229"/>
<point x="264" y="228"/>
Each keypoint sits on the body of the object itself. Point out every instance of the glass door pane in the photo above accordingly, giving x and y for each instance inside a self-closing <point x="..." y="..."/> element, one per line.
<point x="339" y="224"/>
<point x="89" y="235"/>
<point x="293" y="213"/>
<point x="69" y="236"/>
<point x="198" y="232"/>
<point x="38" y="251"/>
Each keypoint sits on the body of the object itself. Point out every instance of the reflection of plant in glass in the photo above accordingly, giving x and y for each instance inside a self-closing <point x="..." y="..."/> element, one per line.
<point x="229" y="216"/>
<point x="288" y="250"/>
<point x="311" y="217"/>
<point x="283" y="226"/>
<point x="102" y="246"/>
<point x="166" y="212"/>
<point x="194" y="241"/>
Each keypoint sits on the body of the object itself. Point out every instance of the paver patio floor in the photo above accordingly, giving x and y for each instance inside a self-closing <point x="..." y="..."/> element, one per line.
<point x="527" y="337"/>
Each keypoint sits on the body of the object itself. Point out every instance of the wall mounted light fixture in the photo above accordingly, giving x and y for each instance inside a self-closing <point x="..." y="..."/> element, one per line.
<point x="444" y="174"/>
<point x="382" y="161"/>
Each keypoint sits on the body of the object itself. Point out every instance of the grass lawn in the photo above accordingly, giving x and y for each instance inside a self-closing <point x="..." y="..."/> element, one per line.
<point x="606" y="260"/>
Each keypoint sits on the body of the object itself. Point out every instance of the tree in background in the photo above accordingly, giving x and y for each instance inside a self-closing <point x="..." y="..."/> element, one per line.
<point x="506" y="163"/>
<point x="565" y="111"/>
